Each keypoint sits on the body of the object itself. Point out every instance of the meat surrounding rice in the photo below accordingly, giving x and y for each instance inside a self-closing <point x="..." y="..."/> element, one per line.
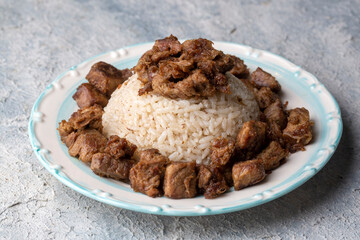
<point x="180" y="129"/>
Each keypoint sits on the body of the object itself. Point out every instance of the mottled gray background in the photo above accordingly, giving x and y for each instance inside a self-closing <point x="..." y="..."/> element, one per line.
<point x="41" y="39"/>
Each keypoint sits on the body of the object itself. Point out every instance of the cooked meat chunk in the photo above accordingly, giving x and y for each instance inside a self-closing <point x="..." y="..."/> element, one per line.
<point x="147" y="175"/>
<point x="271" y="156"/>
<point x="251" y="136"/>
<point x="166" y="47"/>
<point x="211" y="181"/>
<point x="275" y="113"/>
<point x="222" y="149"/>
<point x="70" y="139"/>
<point x="87" y="117"/>
<point x="204" y="176"/>
<point x="65" y="128"/>
<point x="191" y="69"/>
<point x="104" y="165"/>
<point x="87" y="95"/>
<point x="119" y="147"/>
<point x="227" y="171"/>
<point x="87" y="144"/>
<point x="247" y="173"/>
<point x="260" y="78"/>
<point x="274" y="133"/>
<point x="298" y="131"/>
<point x="239" y="70"/>
<point x="195" y="84"/>
<point x="106" y="77"/>
<point x="265" y="97"/>
<point x="180" y="180"/>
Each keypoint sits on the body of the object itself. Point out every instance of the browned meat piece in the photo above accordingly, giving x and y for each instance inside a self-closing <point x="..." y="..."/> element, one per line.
<point x="180" y="180"/>
<point x="204" y="176"/>
<point x="147" y="175"/>
<point x="222" y="149"/>
<point x="65" y="128"/>
<point x="87" y="144"/>
<point x="70" y="139"/>
<point x="271" y="156"/>
<point x="87" y="117"/>
<point x="260" y="78"/>
<point x="163" y="48"/>
<point x="298" y="131"/>
<point x="105" y="165"/>
<point x="119" y="147"/>
<point x="239" y="70"/>
<point x="227" y="171"/>
<point x="191" y="69"/>
<point x="265" y="97"/>
<point x="251" y="136"/>
<point x="195" y="85"/>
<point x="106" y="77"/>
<point x="274" y="133"/>
<point x="275" y="113"/>
<point x="211" y="181"/>
<point x="86" y="95"/>
<point x="247" y="173"/>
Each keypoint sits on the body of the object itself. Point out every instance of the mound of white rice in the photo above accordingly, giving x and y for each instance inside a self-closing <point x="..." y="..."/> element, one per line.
<point x="181" y="129"/>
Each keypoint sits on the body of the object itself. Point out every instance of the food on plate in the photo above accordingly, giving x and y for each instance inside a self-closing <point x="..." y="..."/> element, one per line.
<point x="298" y="130"/>
<point x="87" y="95"/>
<point x="148" y="174"/>
<point x="247" y="173"/>
<point x="106" y="78"/>
<point x="189" y="70"/>
<point x="212" y="181"/>
<point x="180" y="180"/>
<point x="181" y="129"/>
<point x="188" y="119"/>
<point x="103" y="164"/>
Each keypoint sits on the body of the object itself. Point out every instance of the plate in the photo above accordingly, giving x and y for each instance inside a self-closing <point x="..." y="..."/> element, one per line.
<point x="300" y="88"/>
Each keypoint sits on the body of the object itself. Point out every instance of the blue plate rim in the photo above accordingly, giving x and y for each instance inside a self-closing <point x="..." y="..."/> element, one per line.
<point x="118" y="203"/>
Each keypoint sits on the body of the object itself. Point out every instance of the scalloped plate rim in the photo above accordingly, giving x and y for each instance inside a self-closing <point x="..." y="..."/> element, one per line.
<point x="159" y="211"/>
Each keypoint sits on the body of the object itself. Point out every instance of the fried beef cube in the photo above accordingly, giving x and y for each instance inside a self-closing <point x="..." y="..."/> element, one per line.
<point x="211" y="181"/>
<point x="274" y="133"/>
<point x="65" y="128"/>
<point x="87" y="95"/>
<point x="195" y="85"/>
<point x="265" y="97"/>
<point x="106" y="77"/>
<point x="222" y="149"/>
<point x="298" y="131"/>
<point x="87" y="144"/>
<point x="271" y="156"/>
<point x="260" y="78"/>
<point x="87" y="117"/>
<point x="147" y="175"/>
<point x="70" y="139"/>
<point x="251" y="136"/>
<point x="180" y="180"/>
<point x="239" y="70"/>
<point x="104" y="165"/>
<point x="163" y="48"/>
<point x="275" y="113"/>
<point x="199" y="49"/>
<point x="227" y="171"/>
<point x="119" y="147"/>
<point x="247" y="173"/>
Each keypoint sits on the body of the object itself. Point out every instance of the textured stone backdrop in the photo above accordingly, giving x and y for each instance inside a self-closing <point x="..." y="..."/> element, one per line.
<point x="41" y="39"/>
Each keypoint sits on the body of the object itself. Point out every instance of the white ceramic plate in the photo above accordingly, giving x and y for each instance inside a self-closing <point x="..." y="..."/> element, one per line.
<point x="300" y="88"/>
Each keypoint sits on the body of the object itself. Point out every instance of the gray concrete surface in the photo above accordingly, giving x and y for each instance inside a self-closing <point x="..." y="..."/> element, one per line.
<point x="41" y="39"/>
